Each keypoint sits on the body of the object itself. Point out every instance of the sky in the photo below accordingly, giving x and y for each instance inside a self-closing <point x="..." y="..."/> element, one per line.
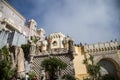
<point x="86" y="21"/>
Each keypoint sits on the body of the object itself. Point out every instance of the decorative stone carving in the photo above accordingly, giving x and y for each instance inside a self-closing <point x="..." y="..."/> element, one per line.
<point x="65" y="43"/>
<point x="18" y="59"/>
<point x="2" y="26"/>
<point x="71" y="45"/>
<point x="32" y="48"/>
<point x="20" y="63"/>
<point x="42" y="43"/>
<point x="41" y="33"/>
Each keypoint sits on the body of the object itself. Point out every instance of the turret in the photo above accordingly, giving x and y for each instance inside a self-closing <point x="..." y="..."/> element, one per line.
<point x="56" y="40"/>
<point x="32" y="24"/>
<point x="33" y="27"/>
<point x="41" y="33"/>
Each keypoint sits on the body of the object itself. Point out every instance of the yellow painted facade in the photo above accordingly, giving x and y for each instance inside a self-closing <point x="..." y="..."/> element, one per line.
<point x="80" y="68"/>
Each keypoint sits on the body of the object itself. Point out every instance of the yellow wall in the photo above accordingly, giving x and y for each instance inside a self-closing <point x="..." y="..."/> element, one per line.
<point x="118" y="52"/>
<point x="80" y="68"/>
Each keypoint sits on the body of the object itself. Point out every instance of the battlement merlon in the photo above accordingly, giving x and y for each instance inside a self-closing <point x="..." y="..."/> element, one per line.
<point x="106" y="46"/>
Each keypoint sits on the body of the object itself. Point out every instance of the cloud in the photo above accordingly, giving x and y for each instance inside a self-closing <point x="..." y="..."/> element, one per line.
<point x="87" y="21"/>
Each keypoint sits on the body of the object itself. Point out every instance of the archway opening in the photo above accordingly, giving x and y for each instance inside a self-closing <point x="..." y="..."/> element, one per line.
<point x="109" y="67"/>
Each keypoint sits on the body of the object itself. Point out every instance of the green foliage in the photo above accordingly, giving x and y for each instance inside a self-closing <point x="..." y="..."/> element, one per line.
<point x="6" y="71"/>
<point x="34" y="39"/>
<point x="31" y="75"/>
<point x="93" y="69"/>
<point x="68" y="77"/>
<point x="52" y="65"/>
<point x="26" y="50"/>
<point x="91" y="58"/>
<point x="85" y="61"/>
<point x="108" y="77"/>
<point x="5" y="52"/>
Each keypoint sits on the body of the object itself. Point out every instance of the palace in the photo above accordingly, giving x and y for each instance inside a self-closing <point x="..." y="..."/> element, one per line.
<point x="14" y="31"/>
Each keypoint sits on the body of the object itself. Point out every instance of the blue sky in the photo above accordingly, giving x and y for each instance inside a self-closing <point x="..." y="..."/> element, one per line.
<point x="87" y="21"/>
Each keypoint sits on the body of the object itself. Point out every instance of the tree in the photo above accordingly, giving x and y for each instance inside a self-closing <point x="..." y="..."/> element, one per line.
<point x="108" y="77"/>
<point x="68" y="77"/>
<point x="5" y="53"/>
<point x="31" y="75"/>
<point x="93" y="69"/>
<point x="52" y="65"/>
<point x="34" y="39"/>
<point x="6" y="71"/>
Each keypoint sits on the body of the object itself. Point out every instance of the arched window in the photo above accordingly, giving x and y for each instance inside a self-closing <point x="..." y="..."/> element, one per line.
<point x="54" y="43"/>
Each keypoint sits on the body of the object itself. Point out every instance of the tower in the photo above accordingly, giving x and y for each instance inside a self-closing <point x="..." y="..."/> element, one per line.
<point x="33" y="27"/>
<point x="56" y="40"/>
<point x="41" y="33"/>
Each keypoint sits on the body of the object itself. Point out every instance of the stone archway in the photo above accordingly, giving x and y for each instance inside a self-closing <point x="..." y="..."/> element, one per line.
<point x="109" y="66"/>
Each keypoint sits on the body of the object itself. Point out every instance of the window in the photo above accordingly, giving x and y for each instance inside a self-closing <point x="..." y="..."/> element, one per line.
<point x="54" y="43"/>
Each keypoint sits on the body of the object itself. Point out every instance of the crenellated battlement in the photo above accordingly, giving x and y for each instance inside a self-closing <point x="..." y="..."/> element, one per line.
<point x="56" y="35"/>
<point x="101" y="47"/>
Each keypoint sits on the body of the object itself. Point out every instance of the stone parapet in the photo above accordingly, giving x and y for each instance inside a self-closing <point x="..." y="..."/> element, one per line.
<point x="102" y="47"/>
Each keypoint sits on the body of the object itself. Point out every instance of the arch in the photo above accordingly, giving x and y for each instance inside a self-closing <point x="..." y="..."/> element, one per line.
<point x="111" y="48"/>
<point x="56" y="36"/>
<point x="118" y="47"/>
<point x="105" y="49"/>
<point x="54" y="43"/>
<point x="108" y="48"/>
<point x="90" y="50"/>
<point x="59" y="36"/>
<point x="110" y="66"/>
<point x="99" y="49"/>
<point x="114" y="48"/>
<point x="102" y="49"/>
<point x="96" y="50"/>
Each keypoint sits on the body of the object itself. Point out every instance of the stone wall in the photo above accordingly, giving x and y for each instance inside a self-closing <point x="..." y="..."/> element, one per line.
<point x="65" y="57"/>
<point x="102" y="47"/>
<point x="80" y="68"/>
<point x="105" y="51"/>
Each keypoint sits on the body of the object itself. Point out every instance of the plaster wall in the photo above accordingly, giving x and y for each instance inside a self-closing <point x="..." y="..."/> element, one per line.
<point x="80" y="68"/>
